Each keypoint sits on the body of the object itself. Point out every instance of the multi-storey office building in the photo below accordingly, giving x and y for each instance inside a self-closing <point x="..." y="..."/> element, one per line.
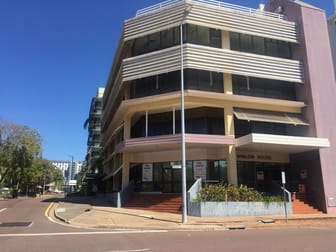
<point x="94" y="132"/>
<point x="258" y="89"/>
<point x="63" y="166"/>
<point x="332" y="35"/>
<point x="70" y="169"/>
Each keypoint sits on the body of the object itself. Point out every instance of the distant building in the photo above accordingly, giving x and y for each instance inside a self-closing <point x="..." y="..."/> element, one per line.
<point x="259" y="92"/>
<point x="94" y="131"/>
<point x="93" y="124"/>
<point x="332" y="35"/>
<point x="75" y="169"/>
<point x="70" y="172"/>
<point x="63" y="166"/>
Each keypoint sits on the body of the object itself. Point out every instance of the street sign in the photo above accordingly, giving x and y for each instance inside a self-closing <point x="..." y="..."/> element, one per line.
<point x="283" y="180"/>
<point x="283" y="177"/>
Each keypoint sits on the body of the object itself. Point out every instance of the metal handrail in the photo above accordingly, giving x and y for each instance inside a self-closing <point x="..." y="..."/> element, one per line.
<point x="289" y="195"/>
<point x="216" y="3"/>
<point x="157" y="6"/>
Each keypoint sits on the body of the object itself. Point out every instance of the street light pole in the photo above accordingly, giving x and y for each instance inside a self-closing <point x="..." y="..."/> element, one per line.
<point x="183" y="151"/>
<point x="183" y="147"/>
<point x="70" y="172"/>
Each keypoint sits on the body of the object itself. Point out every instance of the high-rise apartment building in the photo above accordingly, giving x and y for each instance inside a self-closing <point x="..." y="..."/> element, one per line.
<point x="70" y="169"/>
<point x="259" y="95"/>
<point x="332" y="35"/>
<point x="63" y="166"/>
<point x="94" y="129"/>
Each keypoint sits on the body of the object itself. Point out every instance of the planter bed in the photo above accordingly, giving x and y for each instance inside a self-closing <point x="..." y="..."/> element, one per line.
<point x="218" y="209"/>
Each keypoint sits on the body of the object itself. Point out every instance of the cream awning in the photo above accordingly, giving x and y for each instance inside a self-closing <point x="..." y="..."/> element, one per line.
<point x="269" y="116"/>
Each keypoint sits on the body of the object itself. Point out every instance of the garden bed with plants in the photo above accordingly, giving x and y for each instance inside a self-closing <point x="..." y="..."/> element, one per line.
<point x="230" y="200"/>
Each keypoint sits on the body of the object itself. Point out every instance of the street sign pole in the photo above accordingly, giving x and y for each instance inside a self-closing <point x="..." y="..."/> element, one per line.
<point x="283" y="180"/>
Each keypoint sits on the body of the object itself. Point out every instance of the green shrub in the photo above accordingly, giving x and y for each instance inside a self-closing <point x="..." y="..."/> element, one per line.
<point x="229" y="192"/>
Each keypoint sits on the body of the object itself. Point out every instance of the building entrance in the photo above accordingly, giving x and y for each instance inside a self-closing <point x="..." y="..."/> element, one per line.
<point x="166" y="177"/>
<point x="171" y="180"/>
<point x="261" y="176"/>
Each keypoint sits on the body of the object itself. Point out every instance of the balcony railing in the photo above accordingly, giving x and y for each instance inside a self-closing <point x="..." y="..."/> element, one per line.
<point x="215" y="3"/>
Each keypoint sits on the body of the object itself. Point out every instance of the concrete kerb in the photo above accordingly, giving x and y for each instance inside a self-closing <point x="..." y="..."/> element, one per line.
<point x="87" y="216"/>
<point x="65" y="211"/>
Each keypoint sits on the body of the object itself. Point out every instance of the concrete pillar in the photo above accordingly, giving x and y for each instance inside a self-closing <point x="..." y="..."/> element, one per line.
<point x="127" y="91"/>
<point x="125" y="170"/>
<point x="227" y="77"/>
<point x="228" y="83"/>
<point x="127" y="127"/>
<point x="229" y="121"/>
<point x="225" y="39"/>
<point x="115" y="183"/>
<point x="232" y="165"/>
<point x="125" y="156"/>
<point x="231" y="150"/>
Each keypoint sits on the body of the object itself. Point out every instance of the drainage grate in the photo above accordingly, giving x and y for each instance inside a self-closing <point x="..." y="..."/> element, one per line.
<point x="268" y="221"/>
<point x="16" y="224"/>
<point x="237" y="227"/>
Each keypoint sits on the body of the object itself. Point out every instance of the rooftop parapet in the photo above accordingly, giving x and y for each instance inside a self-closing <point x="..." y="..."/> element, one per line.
<point x="219" y="4"/>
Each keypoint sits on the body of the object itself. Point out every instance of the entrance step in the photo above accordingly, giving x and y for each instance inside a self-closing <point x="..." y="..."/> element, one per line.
<point x="301" y="205"/>
<point x="167" y="203"/>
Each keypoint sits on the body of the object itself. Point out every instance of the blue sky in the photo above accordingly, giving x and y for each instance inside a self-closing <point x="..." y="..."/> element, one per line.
<point x="54" y="54"/>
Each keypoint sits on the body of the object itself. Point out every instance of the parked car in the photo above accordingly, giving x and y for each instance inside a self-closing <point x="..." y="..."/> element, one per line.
<point x="5" y="191"/>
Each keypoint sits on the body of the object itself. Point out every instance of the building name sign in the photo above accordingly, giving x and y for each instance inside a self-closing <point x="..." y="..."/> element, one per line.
<point x="262" y="157"/>
<point x="257" y="157"/>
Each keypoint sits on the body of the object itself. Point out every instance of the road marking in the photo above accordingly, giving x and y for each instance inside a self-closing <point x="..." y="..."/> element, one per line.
<point x="84" y="233"/>
<point x="133" y="250"/>
<point x="46" y="213"/>
<point x="17" y="224"/>
<point x="3" y="209"/>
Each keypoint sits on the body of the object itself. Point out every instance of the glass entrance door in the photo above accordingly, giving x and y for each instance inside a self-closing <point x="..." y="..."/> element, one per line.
<point x="167" y="180"/>
<point x="171" y="180"/>
<point x="177" y="185"/>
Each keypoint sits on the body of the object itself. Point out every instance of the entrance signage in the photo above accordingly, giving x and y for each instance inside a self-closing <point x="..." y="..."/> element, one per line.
<point x="200" y="169"/>
<point x="176" y="165"/>
<point x="283" y="181"/>
<point x="303" y="173"/>
<point x="255" y="157"/>
<point x="262" y="157"/>
<point x="147" y="172"/>
<point x="283" y="178"/>
<point x="260" y="175"/>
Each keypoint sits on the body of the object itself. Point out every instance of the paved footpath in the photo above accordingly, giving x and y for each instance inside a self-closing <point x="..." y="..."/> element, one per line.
<point x="93" y="213"/>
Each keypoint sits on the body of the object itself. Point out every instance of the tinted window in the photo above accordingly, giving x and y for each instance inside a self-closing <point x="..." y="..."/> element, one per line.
<point x="171" y="81"/>
<point x="258" y="87"/>
<point x="259" y="45"/>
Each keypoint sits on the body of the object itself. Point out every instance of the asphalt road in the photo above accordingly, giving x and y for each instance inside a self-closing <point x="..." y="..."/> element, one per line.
<point x="41" y="234"/>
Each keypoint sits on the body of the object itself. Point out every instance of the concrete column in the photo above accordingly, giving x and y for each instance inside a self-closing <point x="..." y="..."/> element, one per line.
<point x="231" y="150"/>
<point x="115" y="183"/>
<point x="225" y="39"/>
<point x="127" y="92"/>
<point x="227" y="77"/>
<point x="228" y="83"/>
<point x="125" y="157"/>
<point x="127" y="127"/>
<point x="125" y="170"/>
<point x="229" y="121"/>
<point x="232" y="165"/>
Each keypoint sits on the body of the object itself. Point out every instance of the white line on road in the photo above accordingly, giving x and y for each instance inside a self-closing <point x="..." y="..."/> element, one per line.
<point x="133" y="250"/>
<point x="84" y="233"/>
<point x="3" y="209"/>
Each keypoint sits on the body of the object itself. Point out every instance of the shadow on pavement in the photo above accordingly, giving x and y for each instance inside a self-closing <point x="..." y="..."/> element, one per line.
<point x="79" y="199"/>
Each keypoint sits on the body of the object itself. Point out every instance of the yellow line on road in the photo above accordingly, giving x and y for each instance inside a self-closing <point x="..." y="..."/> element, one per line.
<point x="46" y="213"/>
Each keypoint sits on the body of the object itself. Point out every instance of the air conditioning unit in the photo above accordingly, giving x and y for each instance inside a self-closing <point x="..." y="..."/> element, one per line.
<point x="279" y="9"/>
